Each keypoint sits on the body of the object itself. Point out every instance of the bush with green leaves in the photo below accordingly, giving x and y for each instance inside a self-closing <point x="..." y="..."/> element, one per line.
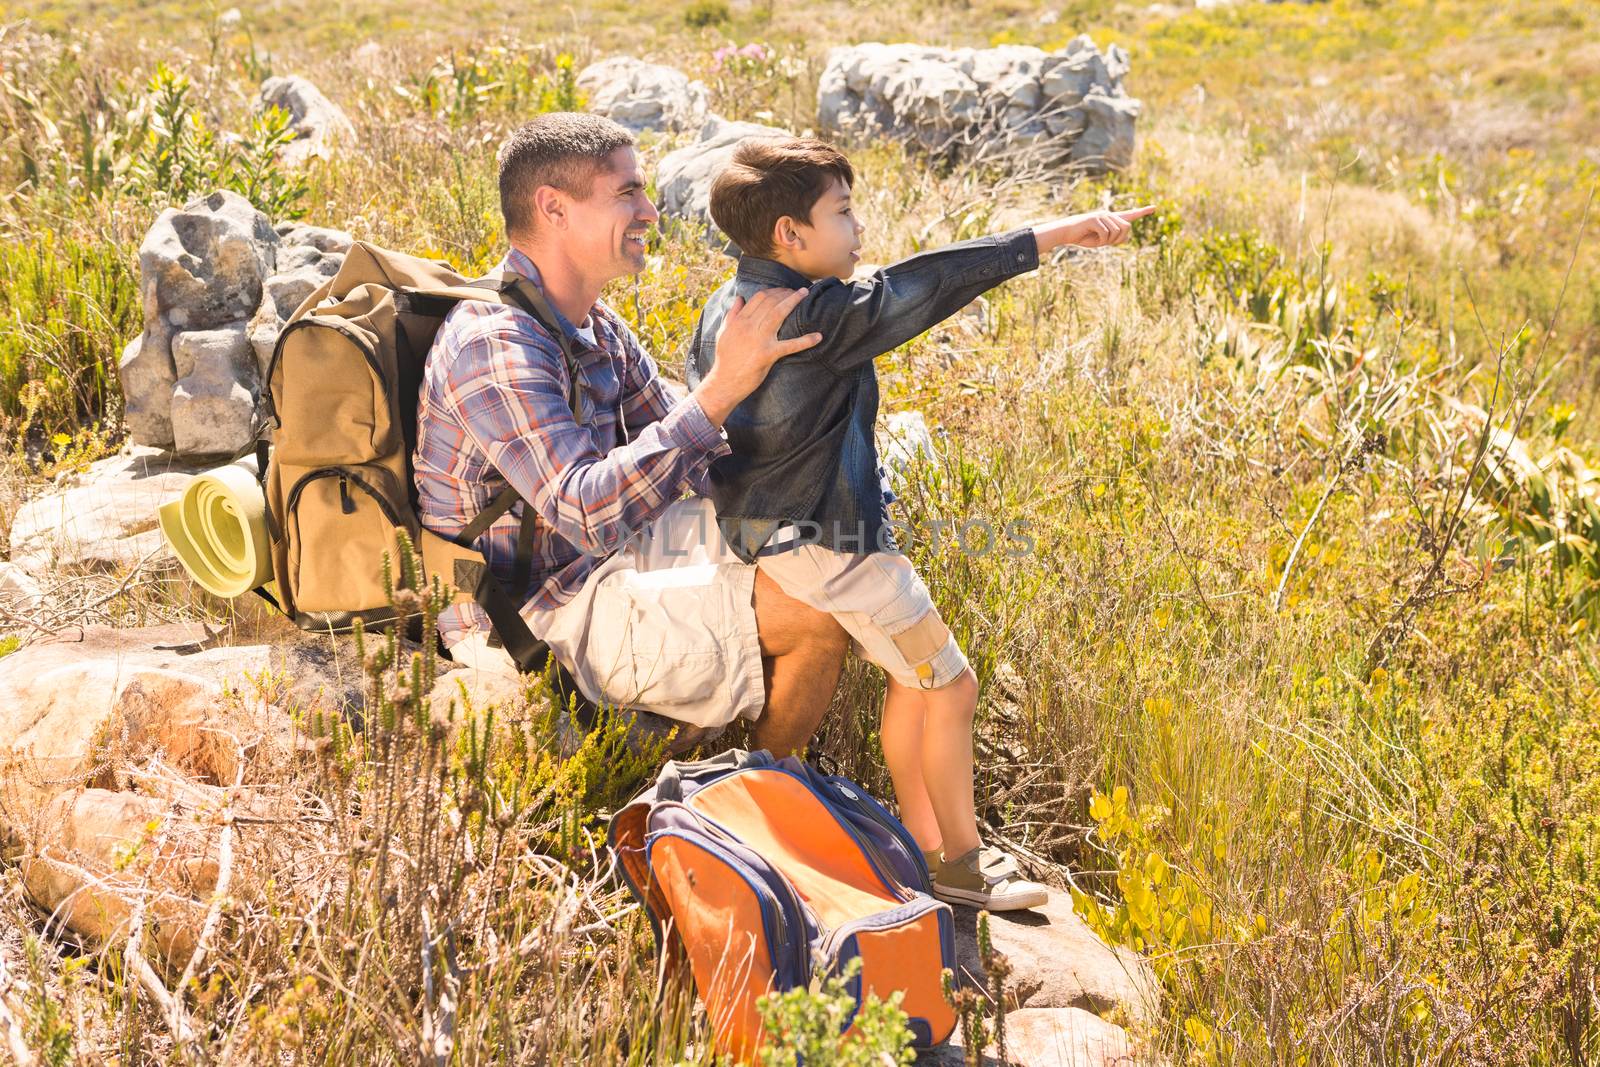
<point x="805" y="1026"/>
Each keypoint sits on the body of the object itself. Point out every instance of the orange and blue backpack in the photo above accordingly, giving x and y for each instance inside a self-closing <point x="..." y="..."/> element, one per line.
<point x="764" y="873"/>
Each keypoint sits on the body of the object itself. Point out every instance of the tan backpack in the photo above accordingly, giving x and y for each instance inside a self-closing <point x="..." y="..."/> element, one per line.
<point x="342" y="388"/>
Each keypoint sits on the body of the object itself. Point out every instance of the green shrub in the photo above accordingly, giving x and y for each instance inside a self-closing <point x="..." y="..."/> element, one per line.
<point x="703" y="13"/>
<point x="66" y="311"/>
<point x="806" y="1026"/>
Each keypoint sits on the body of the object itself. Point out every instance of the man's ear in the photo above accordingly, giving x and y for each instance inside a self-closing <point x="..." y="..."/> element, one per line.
<point x="550" y="207"/>
<point x="787" y="235"/>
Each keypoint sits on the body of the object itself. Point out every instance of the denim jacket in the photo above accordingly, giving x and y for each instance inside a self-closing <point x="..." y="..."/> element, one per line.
<point x="803" y="448"/>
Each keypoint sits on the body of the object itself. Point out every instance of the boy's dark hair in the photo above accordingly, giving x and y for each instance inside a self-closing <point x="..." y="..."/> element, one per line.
<point x="769" y="178"/>
<point x="563" y="149"/>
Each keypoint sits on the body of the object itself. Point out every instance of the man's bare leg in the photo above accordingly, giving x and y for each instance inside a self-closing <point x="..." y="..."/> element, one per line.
<point x="802" y="653"/>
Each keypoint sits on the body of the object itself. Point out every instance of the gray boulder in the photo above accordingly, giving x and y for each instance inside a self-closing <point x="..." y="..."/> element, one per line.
<point x="643" y="96"/>
<point x="214" y="398"/>
<point x="202" y="265"/>
<point x="1015" y="103"/>
<point x="203" y="268"/>
<point x="218" y="281"/>
<point x="318" y="123"/>
<point x="684" y="177"/>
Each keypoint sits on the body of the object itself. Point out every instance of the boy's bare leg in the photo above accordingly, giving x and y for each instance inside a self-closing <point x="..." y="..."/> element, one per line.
<point x="947" y="760"/>
<point x="802" y="653"/>
<point x="903" y="711"/>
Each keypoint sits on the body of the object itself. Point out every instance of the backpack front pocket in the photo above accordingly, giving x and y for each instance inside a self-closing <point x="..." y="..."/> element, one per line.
<point x="339" y="522"/>
<point x="329" y="380"/>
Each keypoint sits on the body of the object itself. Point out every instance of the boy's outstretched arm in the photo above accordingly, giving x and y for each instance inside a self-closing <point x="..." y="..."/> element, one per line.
<point x="862" y="320"/>
<point x="1094" y="229"/>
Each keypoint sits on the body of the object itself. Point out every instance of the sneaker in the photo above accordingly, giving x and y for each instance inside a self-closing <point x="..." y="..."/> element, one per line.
<point x="986" y="878"/>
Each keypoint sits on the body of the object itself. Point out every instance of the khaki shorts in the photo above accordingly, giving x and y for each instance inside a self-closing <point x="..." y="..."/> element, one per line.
<point x="666" y="624"/>
<point x="881" y="602"/>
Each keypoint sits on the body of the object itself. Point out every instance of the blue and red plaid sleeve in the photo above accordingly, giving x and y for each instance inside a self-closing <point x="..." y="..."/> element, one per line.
<point x="511" y="401"/>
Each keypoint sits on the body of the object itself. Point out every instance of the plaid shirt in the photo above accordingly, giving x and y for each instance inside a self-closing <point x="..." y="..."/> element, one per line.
<point x="493" y="409"/>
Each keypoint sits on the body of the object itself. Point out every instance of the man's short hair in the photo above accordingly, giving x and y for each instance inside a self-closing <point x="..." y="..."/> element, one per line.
<point x="563" y="149"/>
<point x="769" y="178"/>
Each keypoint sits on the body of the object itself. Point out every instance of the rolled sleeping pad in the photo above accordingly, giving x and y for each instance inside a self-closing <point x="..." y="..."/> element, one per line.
<point x="218" y="530"/>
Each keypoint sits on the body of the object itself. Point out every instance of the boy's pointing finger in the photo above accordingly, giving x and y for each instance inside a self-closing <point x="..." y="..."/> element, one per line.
<point x="1136" y="213"/>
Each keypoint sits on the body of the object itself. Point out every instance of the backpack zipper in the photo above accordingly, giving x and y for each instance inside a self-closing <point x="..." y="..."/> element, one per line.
<point x="869" y="806"/>
<point x="346" y="502"/>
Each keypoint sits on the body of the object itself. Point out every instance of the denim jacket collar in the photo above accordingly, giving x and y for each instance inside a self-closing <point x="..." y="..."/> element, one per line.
<point x="770" y="274"/>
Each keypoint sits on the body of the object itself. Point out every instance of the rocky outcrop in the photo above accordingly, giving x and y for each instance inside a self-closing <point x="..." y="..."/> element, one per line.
<point x="115" y="746"/>
<point x="1058" y="962"/>
<point x="643" y="96"/>
<point x="1067" y="995"/>
<point x="318" y="123"/>
<point x="684" y="177"/>
<point x="103" y="518"/>
<point x="1047" y="1037"/>
<point x="1013" y="104"/>
<point x="217" y="281"/>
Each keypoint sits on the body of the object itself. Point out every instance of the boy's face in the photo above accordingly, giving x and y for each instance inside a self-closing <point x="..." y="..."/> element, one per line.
<point x="829" y="245"/>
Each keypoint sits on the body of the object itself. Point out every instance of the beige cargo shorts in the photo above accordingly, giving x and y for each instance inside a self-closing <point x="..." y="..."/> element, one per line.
<point x="666" y="624"/>
<point x="882" y="603"/>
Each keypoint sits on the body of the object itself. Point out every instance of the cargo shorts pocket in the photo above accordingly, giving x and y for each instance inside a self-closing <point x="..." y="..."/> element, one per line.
<point x="655" y="645"/>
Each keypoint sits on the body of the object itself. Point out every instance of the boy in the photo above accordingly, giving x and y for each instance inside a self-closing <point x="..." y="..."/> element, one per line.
<point x="803" y="496"/>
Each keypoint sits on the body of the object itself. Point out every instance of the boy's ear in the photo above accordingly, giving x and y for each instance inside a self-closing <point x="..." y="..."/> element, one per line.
<point x="786" y="235"/>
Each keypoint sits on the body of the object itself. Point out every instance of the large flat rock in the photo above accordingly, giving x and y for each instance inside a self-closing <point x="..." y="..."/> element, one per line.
<point x="101" y="519"/>
<point x="1047" y="1037"/>
<point x="1058" y="962"/>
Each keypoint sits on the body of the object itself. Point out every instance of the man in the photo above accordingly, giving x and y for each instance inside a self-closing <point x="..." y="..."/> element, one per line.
<point x="632" y="585"/>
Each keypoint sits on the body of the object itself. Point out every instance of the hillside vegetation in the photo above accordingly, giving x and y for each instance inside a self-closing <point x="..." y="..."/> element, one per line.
<point x="1297" y="688"/>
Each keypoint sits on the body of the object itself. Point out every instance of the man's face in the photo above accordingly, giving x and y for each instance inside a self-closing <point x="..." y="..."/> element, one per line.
<point x="606" y="230"/>
<point x="832" y="237"/>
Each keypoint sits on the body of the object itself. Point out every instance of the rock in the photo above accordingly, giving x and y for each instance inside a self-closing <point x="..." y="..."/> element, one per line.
<point x="203" y="265"/>
<point x="114" y="746"/>
<point x="903" y="441"/>
<point x="318" y="122"/>
<point x="1058" y="962"/>
<point x="643" y="96"/>
<point x="213" y="411"/>
<point x="90" y="856"/>
<point x="1013" y="103"/>
<point x="219" y="282"/>
<point x="147" y="375"/>
<point x="1046" y="1037"/>
<point x="96" y="671"/>
<point x="203" y="268"/>
<point x="102" y="519"/>
<point x="507" y="691"/>
<point x="18" y="589"/>
<point x="286" y="291"/>
<point x="322" y="238"/>
<point x="684" y="177"/>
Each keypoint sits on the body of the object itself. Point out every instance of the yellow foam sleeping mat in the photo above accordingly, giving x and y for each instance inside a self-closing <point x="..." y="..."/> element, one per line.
<point x="218" y="530"/>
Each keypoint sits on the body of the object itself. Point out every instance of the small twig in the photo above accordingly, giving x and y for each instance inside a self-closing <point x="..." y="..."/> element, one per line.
<point x="183" y="1032"/>
<point x="219" y="895"/>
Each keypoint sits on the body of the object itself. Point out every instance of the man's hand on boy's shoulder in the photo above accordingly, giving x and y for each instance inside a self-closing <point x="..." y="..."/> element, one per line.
<point x="1092" y="229"/>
